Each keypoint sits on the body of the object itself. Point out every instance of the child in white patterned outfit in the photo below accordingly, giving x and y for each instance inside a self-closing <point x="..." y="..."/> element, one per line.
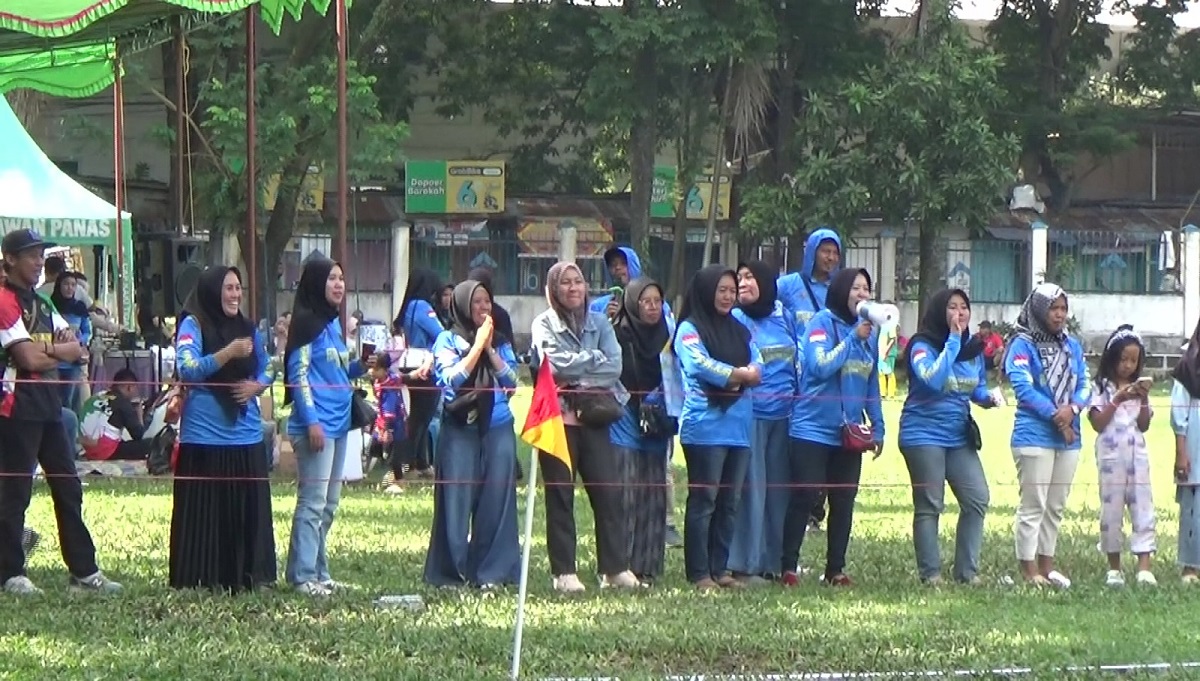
<point x="1120" y="414"/>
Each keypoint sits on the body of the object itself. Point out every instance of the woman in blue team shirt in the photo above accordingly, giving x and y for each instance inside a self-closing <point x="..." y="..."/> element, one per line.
<point x="1045" y="367"/>
<point x="757" y="548"/>
<point x="643" y="433"/>
<point x="319" y="372"/>
<point x="938" y="437"/>
<point x="76" y="314"/>
<point x="838" y="383"/>
<point x="422" y="325"/>
<point x="221" y="532"/>
<point x="474" y="537"/>
<point x="719" y="362"/>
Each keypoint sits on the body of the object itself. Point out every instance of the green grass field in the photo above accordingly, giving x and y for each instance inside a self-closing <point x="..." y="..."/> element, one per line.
<point x="888" y="621"/>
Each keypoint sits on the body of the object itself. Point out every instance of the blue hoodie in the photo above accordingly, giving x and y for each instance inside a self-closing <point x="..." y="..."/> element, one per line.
<point x="450" y="349"/>
<point x="940" y="391"/>
<point x="792" y="290"/>
<point x="321" y="372"/>
<point x="840" y="380"/>
<point x="776" y="338"/>
<point x="633" y="265"/>
<point x="203" y="420"/>
<point x="1034" y="426"/>
<point x="699" y="424"/>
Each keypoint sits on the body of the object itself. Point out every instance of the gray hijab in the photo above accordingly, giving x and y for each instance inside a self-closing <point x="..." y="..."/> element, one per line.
<point x="1032" y="326"/>
<point x="573" y="319"/>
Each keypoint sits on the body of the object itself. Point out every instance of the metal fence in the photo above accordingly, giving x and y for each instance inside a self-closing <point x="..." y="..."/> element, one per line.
<point x="1131" y="262"/>
<point x="990" y="270"/>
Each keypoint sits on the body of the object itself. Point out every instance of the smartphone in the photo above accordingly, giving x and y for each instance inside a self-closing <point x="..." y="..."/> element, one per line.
<point x="1145" y="382"/>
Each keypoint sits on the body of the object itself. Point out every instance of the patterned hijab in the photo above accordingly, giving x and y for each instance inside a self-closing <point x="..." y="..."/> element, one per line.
<point x="1032" y="326"/>
<point x="573" y="319"/>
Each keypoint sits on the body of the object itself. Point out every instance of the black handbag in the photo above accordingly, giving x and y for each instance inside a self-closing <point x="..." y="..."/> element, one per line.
<point x="463" y="409"/>
<point x="362" y="414"/>
<point x="974" y="435"/>
<point x="655" y="422"/>
<point x="595" y="408"/>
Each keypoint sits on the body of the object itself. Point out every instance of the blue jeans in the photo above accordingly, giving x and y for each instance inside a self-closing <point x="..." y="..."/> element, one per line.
<point x="757" y="546"/>
<point x="475" y="539"/>
<point x="69" y="388"/>
<point x="715" y="478"/>
<point x="320" y="489"/>
<point x="930" y="468"/>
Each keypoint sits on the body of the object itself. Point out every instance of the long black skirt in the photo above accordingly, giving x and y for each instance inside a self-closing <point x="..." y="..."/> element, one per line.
<point x="222" y="537"/>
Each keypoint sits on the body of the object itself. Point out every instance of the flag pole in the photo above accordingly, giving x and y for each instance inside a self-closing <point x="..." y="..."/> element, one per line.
<point x="530" y="498"/>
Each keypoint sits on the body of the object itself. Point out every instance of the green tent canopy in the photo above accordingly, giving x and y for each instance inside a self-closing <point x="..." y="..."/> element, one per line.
<point x="67" y="48"/>
<point x="36" y="194"/>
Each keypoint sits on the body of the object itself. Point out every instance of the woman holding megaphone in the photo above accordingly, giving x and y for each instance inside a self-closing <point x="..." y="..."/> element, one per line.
<point x="839" y="384"/>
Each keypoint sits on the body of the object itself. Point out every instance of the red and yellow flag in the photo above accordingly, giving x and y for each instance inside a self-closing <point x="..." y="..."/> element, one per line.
<point x="544" y="424"/>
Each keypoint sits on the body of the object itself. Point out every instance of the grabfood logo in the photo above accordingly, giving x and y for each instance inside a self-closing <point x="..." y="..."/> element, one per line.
<point x="60" y="229"/>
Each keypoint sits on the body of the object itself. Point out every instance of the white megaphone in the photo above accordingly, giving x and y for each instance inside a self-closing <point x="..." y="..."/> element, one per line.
<point x="880" y="314"/>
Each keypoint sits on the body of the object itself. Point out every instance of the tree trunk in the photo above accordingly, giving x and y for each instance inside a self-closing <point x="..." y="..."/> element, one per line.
<point x="275" y="236"/>
<point x="678" y="283"/>
<point x="643" y="140"/>
<point x="718" y="168"/>
<point x="932" y="263"/>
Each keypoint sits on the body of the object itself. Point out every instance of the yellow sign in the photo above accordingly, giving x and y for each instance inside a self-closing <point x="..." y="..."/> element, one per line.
<point x="475" y="186"/>
<point x="312" y="191"/>
<point x="700" y="194"/>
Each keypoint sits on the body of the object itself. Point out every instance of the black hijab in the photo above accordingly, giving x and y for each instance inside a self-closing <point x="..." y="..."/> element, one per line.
<point x="63" y="304"/>
<point x="726" y="339"/>
<point x="768" y="290"/>
<point x="479" y="388"/>
<point x="837" y="299"/>
<point x="423" y="284"/>
<point x="934" y="329"/>
<point x="217" y="330"/>
<point x="641" y="343"/>
<point x="311" y="311"/>
<point x="1187" y="371"/>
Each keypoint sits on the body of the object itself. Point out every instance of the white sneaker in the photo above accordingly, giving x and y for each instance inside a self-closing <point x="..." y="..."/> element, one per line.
<point x="1058" y="579"/>
<point x="333" y="586"/>
<point x="393" y="489"/>
<point x="21" y="586"/>
<point x="97" y="583"/>
<point x="568" y="584"/>
<point x="1146" y="578"/>
<point x="1115" y="579"/>
<point x="314" y="589"/>
<point x="622" y="580"/>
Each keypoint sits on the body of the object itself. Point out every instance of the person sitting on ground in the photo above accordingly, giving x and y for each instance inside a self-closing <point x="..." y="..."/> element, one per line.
<point x="993" y="346"/>
<point x="113" y="422"/>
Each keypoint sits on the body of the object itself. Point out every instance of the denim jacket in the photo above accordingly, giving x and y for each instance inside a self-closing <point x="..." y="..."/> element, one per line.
<point x="593" y="361"/>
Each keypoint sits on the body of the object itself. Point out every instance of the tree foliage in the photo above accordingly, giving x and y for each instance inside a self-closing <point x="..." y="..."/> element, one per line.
<point x="911" y="139"/>
<point x="296" y="107"/>
<point x="1161" y="67"/>
<point x="1052" y="50"/>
